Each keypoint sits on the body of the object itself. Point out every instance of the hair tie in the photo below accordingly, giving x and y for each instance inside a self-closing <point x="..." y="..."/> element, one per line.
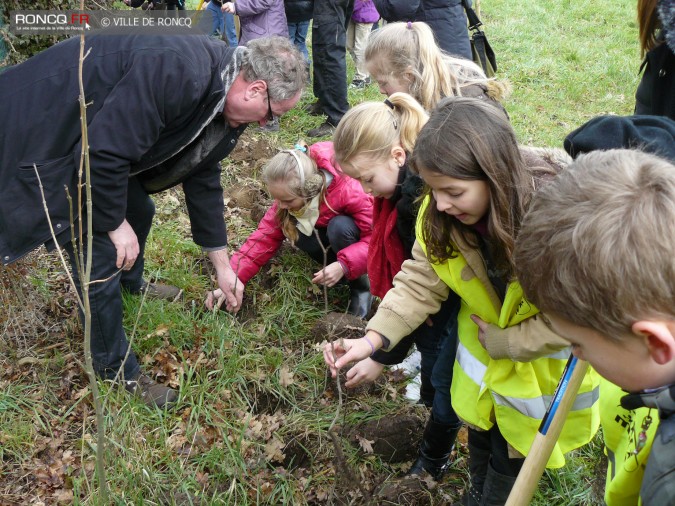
<point x="391" y="106"/>
<point x="301" y="148"/>
<point x="409" y="25"/>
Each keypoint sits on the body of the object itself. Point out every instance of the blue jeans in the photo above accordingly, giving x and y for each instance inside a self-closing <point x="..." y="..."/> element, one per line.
<point x="297" y="33"/>
<point x="230" y="30"/>
<point x="441" y="375"/>
<point x="223" y="23"/>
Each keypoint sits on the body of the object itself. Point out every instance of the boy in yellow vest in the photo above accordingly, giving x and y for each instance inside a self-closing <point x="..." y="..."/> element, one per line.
<point x="596" y="253"/>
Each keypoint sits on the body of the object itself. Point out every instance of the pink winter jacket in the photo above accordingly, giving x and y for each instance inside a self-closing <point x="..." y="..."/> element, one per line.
<point x="344" y="196"/>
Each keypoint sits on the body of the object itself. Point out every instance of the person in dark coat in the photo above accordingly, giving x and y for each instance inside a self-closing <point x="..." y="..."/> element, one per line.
<point x="446" y="18"/>
<point x="298" y="15"/>
<point x="329" y="50"/>
<point x="656" y="92"/>
<point x="143" y="138"/>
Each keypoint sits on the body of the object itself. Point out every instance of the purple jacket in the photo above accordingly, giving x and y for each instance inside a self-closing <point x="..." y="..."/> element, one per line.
<point x="261" y="18"/>
<point x="365" y="12"/>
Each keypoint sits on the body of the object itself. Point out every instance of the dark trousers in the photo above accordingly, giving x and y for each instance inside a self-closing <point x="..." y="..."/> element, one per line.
<point x="329" y="51"/>
<point x="340" y="233"/>
<point x="109" y="343"/>
<point x="491" y="443"/>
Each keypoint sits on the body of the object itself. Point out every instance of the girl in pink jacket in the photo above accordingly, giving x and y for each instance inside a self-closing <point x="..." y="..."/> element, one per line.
<point x="312" y="198"/>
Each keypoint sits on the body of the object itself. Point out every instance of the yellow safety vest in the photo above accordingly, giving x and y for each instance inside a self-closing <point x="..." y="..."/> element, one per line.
<point x="621" y="430"/>
<point x="515" y="395"/>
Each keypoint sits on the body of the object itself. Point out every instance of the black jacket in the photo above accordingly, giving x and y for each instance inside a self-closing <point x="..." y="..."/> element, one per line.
<point x="299" y="10"/>
<point x="656" y="92"/>
<point x="148" y="98"/>
<point x="446" y="18"/>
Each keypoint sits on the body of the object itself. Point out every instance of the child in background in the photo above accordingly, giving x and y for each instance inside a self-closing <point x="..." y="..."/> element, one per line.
<point x="258" y="18"/>
<point x="223" y="23"/>
<point x="595" y="252"/>
<point x="372" y="145"/>
<point x="508" y="361"/>
<point x="311" y="195"/>
<point x="360" y="26"/>
<point x="405" y="57"/>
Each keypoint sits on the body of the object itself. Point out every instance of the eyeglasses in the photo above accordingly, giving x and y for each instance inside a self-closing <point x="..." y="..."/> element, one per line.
<point x="270" y="114"/>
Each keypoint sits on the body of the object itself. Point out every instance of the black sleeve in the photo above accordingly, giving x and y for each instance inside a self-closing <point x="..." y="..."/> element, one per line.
<point x="407" y="207"/>
<point x="204" y="199"/>
<point x="397" y="354"/>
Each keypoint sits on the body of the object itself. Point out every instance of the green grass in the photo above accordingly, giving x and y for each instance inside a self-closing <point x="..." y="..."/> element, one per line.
<point x="567" y="61"/>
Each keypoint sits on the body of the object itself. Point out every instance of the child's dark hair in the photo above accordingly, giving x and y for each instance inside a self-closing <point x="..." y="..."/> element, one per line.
<point x="298" y="171"/>
<point x="469" y="139"/>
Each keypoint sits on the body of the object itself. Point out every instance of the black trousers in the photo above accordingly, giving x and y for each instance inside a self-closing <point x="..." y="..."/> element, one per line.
<point x="340" y="233"/>
<point x="491" y="443"/>
<point x="329" y="51"/>
<point x="109" y="343"/>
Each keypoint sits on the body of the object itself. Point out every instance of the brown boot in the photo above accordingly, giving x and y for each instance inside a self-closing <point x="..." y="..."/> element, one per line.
<point x="161" y="292"/>
<point x="153" y="394"/>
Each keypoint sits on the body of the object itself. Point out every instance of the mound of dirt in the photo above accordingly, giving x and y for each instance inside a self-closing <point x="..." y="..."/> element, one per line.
<point x="246" y="195"/>
<point x="394" y="439"/>
<point x="253" y="150"/>
<point x="405" y="491"/>
<point x="337" y="326"/>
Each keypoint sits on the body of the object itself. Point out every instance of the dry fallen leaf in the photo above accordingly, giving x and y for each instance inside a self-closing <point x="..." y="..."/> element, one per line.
<point x="286" y="377"/>
<point x="366" y="445"/>
<point x="273" y="450"/>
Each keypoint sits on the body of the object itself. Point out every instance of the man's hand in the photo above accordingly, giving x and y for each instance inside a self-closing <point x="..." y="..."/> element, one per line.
<point x="229" y="7"/>
<point x="228" y="282"/>
<point x="216" y="298"/>
<point x="365" y="371"/>
<point x="482" y="329"/>
<point x="344" y="351"/>
<point x="126" y="243"/>
<point x="330" y="275"/>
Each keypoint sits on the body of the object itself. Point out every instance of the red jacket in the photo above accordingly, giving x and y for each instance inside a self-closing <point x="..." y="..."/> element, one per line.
<point x="344" y="196"/>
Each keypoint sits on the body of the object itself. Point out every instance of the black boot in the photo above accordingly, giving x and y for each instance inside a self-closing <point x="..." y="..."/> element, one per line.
<point x="360" y="298"/>
<point x="479" y="461"/>
<point x="437" y="444"/>
<point x="497" y="488"/>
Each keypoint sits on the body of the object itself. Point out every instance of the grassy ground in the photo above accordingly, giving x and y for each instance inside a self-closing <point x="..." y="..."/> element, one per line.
<point x="255" y="402"/>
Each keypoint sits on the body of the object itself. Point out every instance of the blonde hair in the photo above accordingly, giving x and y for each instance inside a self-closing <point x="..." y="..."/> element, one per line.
<point x="303" y="179"/>
<point x="373" y="128"/>
<point x="596" y="246"/>
<point x="412" y="53"/>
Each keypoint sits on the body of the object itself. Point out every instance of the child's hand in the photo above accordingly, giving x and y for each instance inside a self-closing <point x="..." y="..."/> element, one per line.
<point x="365" y="371"/>
<point x="330" y="275"/>
<point x="228" y="7"/>
<point x="344" y="351"/>
<point x="482" y="329"/>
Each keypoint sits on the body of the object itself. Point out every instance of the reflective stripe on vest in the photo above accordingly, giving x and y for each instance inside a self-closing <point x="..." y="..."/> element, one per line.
<point x="536" y="408"/>
<point x="512" y="394"/>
